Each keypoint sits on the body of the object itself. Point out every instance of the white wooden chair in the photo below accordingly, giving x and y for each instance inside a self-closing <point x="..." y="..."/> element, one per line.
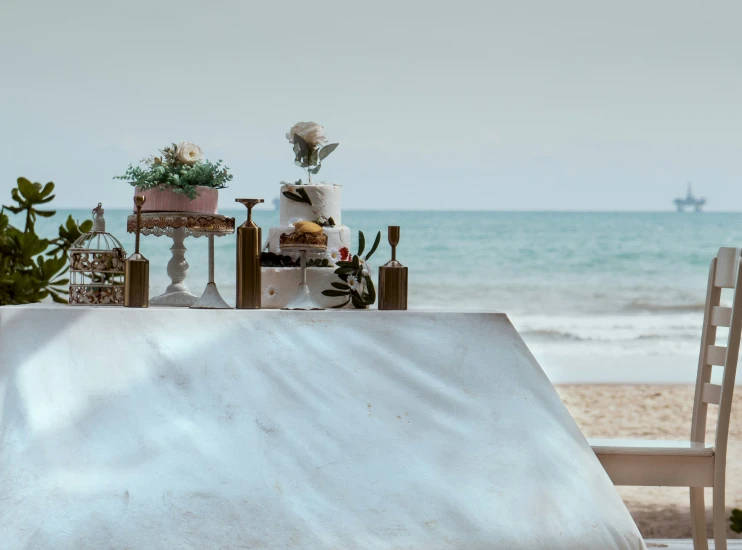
<point x="693" y="463"/>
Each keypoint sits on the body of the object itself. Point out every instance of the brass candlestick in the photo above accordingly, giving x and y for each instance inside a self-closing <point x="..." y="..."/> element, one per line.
<point x="136" y="269"/>
<point x="393" y="277"/>
<point x="249" y="239"/>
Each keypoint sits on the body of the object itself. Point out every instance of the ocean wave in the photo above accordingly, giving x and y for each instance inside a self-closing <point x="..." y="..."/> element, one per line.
<point x="553" y="335"/>
<point x="642" y="305"/>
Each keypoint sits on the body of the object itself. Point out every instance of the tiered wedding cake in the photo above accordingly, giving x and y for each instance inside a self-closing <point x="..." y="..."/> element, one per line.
<point x="320" y="204"/>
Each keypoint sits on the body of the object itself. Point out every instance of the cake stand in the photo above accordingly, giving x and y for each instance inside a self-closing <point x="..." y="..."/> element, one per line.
<point x="303" y="299"/>
<point x="178" y="226"/>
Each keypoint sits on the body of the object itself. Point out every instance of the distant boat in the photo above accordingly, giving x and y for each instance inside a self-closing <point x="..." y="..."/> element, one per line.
<point x="696" y="203"/>
<point x="276" y="202"/>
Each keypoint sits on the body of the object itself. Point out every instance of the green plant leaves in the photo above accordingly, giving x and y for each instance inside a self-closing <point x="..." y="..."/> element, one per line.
<point x="735" y="520"/>
<point x="335" y="292"/>
<point x="326" y="150"/>
<point x="168" y="171"/>
<point x="377" y="240"/>
<point x="361" y="243"/>
<point x="341" y="286"/>
<point x="29" y="272"/>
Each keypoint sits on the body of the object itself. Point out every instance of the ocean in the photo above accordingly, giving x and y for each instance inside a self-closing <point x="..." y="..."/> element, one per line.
<point x="585" y="289"/>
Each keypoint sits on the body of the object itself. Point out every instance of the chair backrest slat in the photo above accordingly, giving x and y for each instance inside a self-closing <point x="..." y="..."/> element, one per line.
<point x="727" y="261"/>
<point x="711" y="393"/>
<point x="716" y="355"/>
<point x="724" y="272"/>
<point x="721" y="316"/>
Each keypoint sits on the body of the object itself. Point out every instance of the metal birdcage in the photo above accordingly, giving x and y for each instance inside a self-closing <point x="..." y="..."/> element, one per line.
<point x="97" y="263"/>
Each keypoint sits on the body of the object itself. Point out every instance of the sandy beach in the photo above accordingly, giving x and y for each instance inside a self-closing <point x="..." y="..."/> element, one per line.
<point x="655" y="412"/>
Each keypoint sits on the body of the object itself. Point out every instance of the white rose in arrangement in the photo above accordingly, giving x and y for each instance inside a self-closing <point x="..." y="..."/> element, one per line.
<point x="313" y="133"/>
<point x="189" y="153"/>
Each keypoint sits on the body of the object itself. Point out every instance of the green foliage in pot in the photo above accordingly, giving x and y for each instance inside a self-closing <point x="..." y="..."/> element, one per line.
<point x="31" y="267"/>
<point x="181" y="168"/>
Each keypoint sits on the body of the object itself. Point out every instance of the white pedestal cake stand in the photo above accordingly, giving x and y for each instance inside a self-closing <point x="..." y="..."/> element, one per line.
<point x="303" y="299"/>
<point x="178" y="226"/>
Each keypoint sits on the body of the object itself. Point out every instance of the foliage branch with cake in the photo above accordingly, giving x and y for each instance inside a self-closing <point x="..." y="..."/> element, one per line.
<point x="179" y="180"/>
<point x="311" y="219"/>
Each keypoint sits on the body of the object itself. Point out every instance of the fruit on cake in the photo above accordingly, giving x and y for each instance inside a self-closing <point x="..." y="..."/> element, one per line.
<point x="306" y="235"/>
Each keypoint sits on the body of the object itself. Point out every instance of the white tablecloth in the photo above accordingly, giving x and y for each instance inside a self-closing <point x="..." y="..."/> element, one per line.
<point x="173" y="428"/>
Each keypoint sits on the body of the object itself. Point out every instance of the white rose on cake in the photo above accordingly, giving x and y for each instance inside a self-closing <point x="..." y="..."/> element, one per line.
<point x="311" y="132"/>
<point x="188" y="153"/>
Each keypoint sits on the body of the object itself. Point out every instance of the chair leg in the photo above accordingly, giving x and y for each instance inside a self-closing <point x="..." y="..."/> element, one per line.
<point x="720" y="518"/>
<point x="698" y="519"/>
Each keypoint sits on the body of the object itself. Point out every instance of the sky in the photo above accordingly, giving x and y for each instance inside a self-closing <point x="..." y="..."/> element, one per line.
<point x="501" y="105"/>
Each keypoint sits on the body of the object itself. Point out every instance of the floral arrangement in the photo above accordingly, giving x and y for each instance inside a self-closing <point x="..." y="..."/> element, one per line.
<point x="181" y="168"/>
<point x="355" y="275"/>
<point x="310" y="149"/>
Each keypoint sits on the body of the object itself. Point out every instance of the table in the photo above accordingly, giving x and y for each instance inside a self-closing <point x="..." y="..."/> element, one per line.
<point x="178" y="226"/>
<point x="301" y="429"/>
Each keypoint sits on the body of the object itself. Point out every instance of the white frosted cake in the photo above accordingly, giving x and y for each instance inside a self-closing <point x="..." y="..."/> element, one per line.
<point x="280" y="283"/>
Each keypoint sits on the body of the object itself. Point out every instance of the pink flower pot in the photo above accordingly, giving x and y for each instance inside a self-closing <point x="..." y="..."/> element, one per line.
<point x="163" y="199"/>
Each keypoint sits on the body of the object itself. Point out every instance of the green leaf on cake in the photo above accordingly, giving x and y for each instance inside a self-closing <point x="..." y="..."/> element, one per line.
<point x="299" y="196"/>
<point x="375" y="246"/>
<point x="326" y="150"/>
<point x="341" y="286"/>
<point x="341" y="305"/>
<point x="304" y="195"/>
<point x="361" y="242"/>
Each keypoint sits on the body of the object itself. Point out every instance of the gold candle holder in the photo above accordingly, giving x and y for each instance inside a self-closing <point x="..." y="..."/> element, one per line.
<point x="249" y="239"/>
<point x="393" y="277"/>
<point x="136" y="269"/>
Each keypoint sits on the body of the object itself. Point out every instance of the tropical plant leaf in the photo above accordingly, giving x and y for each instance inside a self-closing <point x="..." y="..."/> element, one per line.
<point x="361" y="242"/>
<point x="377" y="240"/>
<point x="371" y="290"/>
<point x="341" y="286"/>
<point x="57" y="298"/>
<point x="341" y="305"/>
<point x="735" y="520"/>
<point x="335" y="292"/>
<point x="326" y="150"/>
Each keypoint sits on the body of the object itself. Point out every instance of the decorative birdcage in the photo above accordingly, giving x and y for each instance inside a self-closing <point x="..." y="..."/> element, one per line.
<point x="97" y="266"/>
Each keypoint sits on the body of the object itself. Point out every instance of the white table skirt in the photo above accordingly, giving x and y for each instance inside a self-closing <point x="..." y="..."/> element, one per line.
<point x="172" y="428"/>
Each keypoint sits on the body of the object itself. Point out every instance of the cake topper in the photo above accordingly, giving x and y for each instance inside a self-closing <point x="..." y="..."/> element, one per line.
<point x="309" y="148"/>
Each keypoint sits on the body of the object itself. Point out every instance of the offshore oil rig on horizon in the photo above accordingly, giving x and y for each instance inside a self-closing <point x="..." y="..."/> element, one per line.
<point x="696" y="203"/>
